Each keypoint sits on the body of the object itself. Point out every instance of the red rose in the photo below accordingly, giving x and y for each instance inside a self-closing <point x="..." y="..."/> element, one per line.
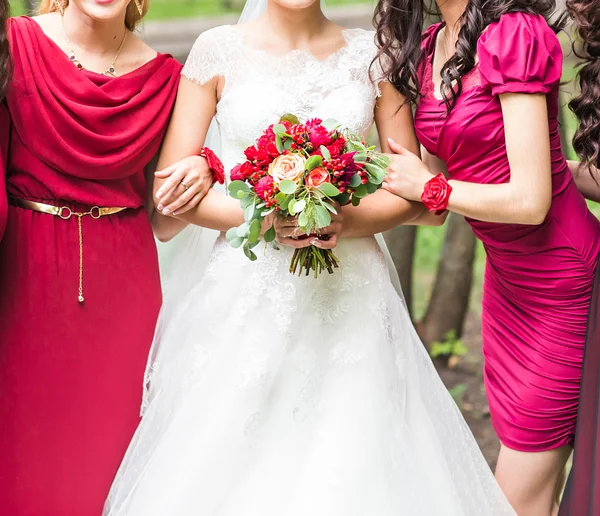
<point x="337" y="147"/>
<point x="266" y="144"/>
<point x="214" y="164"/>
<point x="436" y="194"/>
<point x="259" y="156"/>
<point x="317" y="177"/>
<point x="264" y="187"/>
<point x="241" y="172"/>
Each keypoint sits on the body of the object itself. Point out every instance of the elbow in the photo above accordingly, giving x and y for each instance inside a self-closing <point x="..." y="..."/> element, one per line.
<point x="536" y="212"/>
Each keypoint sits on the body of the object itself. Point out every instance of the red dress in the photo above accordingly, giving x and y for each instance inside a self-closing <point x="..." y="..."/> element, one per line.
<point x="4" y="132"/>
<point x="71" y="374"/>
<point x="538" y="279"/>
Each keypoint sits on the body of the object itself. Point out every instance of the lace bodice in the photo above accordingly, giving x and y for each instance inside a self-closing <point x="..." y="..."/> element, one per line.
<point x="260" y="87"/>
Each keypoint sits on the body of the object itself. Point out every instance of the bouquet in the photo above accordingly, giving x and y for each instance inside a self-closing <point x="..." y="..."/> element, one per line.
<point x="302" y="170"/>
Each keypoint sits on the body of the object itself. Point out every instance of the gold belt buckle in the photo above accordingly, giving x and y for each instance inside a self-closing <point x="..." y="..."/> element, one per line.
<point x="62" y="215"/>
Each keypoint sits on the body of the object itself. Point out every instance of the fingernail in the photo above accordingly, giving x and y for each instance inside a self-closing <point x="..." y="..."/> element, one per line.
<point x="166" y="211"/>
<point x="159" y="194"/>
<point x="316" y="243"/>
<point x="160" y="207"/>
<point x="391" y="141"/>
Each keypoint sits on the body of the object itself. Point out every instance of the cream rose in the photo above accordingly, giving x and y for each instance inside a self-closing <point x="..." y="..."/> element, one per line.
<point x="288" y="166"/>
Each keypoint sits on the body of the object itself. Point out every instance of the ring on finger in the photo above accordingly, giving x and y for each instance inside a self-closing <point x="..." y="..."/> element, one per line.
<point x="184" y="185"/>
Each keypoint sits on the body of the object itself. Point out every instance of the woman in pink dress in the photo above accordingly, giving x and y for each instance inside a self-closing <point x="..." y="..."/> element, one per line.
<point x="5" y="70"/>
<point x="581" y="495"/>
<point x="80" y="290"/>
<point x="486" y="82"/>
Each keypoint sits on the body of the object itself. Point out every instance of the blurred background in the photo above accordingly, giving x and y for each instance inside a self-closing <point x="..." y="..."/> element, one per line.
<point x="441" y="268"/>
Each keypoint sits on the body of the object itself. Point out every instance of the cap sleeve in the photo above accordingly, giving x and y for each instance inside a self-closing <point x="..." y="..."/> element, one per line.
<point x="206" y="59"/>
<point x="519" y="54"/>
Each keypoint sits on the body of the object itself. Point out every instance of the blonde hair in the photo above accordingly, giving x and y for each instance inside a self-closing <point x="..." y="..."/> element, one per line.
<point x="131" y="18"/>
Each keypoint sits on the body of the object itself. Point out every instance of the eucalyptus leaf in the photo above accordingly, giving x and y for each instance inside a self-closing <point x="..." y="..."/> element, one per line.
<point x="376" y="174"/>
<point x="279" y="129"/>
<point x="303" y="219"/>
<point x="313" y="162"/>
<point x="299" y="206"/>
<point x="243" y="231"/>
<point x="231" y="234"/>
<point x="267" y="212"/>
<point x="236" y="242"/>
<point x="355" y="181"/>
<point x="237" y="186"/>
<point x="288" y="117"/>
<point x="287" y="187"/>
<point x="270" y="234"/>
<point x="330" y="207"/>
<point x="328" y="189"/>
<point x="250" y="254"/>
<point x="279" y="143"/>
<point x="287" y="143"/>
<point x="280" y="197"/>
<point x="285" y="203"/>
<point x="326" y="153"/>
<point x="249" y="212"/>
<point x="323" y="217"/>
<point x="355" y="200"/>
<point x="343" y="199"/>
<point x="247" y="200"/>
<point x="360" y="157"/>
<point x="255" y="227"/>
<point x="292" y="207"/>
<point x="372" y="188"/>
<point x="330" y="124"/>
<point x="360" y="192"/>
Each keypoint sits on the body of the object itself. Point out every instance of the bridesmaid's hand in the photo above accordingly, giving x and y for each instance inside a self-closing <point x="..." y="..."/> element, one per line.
<point x="186" y="184"/>
<point x="290" y="235"/>
<point x="407" y="174"/>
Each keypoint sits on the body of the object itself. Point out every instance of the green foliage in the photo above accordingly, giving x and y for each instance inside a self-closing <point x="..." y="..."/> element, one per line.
<point x="452" y="346"/>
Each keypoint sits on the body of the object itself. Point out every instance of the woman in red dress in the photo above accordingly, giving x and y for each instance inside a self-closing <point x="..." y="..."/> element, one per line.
<point x="486" y="82"/>
<point x="581" y="495"/>
<point x="5" y="69"/>
<point x="80" y="289"/>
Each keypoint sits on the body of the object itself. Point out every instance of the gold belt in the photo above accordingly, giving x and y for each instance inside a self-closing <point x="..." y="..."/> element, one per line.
<point x="65" y="213"/>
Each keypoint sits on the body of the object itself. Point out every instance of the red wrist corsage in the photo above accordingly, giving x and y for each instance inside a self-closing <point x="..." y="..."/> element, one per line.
<point x="214" y="164"/>
<point x="436" y="194"/>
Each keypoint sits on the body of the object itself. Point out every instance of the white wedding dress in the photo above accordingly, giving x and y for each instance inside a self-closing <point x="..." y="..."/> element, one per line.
<point x="289" y="396"/>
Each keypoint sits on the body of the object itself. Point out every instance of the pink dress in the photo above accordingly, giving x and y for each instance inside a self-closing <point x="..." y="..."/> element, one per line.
<point x="538" y="279"/>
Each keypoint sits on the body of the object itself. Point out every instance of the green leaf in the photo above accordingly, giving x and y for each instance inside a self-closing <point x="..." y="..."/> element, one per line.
<point x="326" y="153"/>
<point x="376" y="174"/>
<point x="313" y="162"/>
<point x="243" y="231"/>
<point x="286" y="202"/>
<point x="231" y="234"/>
<point x="303" y="219"/>
<point x="299" y="206"/>
<point x="360" y="192"/>
<point x="279" y="129"/>
<point x="291" y="207"/>
<point x="279" y="143"/>
<point x="267" y="212"/>
<point x="250" y="254"/>
<point x="355" y="200"/>
<point x="270" y="234"/>
<point x="328" y="189"/>
<point x="323" y="217"/>
<point x="280" y="197"/>
<point x="372" y="188"/>
<point x="287" y="143"/>
<point x="343" y="199"/>
<point x="255" y="227"/>
<point x="237" y="186"/>
<point x="360" y="157"/>
<point x="249" y="212"/>
<point x="287" y="187"/>
<point x="355" y="181"/>
<point x="330" y="208"/>
<point x="330" y="124"/>
<point x="236" y="242"/>
<point x="247" y="200"/>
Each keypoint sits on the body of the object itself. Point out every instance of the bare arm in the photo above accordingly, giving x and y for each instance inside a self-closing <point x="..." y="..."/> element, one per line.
<point x="526" y="198"/>
<point x="382" y="210"/>
<point x="587" y="180"/>
<point x="194" y="110"/>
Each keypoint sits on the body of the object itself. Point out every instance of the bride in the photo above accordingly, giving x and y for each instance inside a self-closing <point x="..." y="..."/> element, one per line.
<point x="275" y="395"/>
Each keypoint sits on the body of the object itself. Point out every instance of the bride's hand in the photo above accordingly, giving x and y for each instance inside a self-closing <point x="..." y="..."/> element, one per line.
<point x="407" y="174"/>
<point x="187" y="182"/>
<point x="290" y="235"/>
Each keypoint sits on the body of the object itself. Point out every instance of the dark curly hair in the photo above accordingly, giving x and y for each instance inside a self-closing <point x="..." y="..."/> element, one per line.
<point x="399" y="27"/>
<point x="586" y="106"/>
<point x="5" y="62"/>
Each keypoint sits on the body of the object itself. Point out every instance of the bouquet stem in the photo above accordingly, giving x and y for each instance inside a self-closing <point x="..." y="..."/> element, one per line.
<point x="313" y="259"/>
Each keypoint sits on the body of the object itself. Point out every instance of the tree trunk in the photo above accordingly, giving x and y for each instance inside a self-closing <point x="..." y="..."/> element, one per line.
<point x="452" y="289"/>
<point x="401" y="243"/>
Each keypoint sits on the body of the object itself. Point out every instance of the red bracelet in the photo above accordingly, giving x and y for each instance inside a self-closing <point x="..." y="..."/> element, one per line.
<point x="214" y="164"/>
<point x="436" y="194"/>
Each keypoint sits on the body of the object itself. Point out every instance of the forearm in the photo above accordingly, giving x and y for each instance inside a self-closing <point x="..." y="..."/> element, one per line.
<point x="587" y="180"/>
<point x="377" y="213"/>
<point x="500" y="203"/>
<point x="165" y="228"/>
<point x="216" y="211"/>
